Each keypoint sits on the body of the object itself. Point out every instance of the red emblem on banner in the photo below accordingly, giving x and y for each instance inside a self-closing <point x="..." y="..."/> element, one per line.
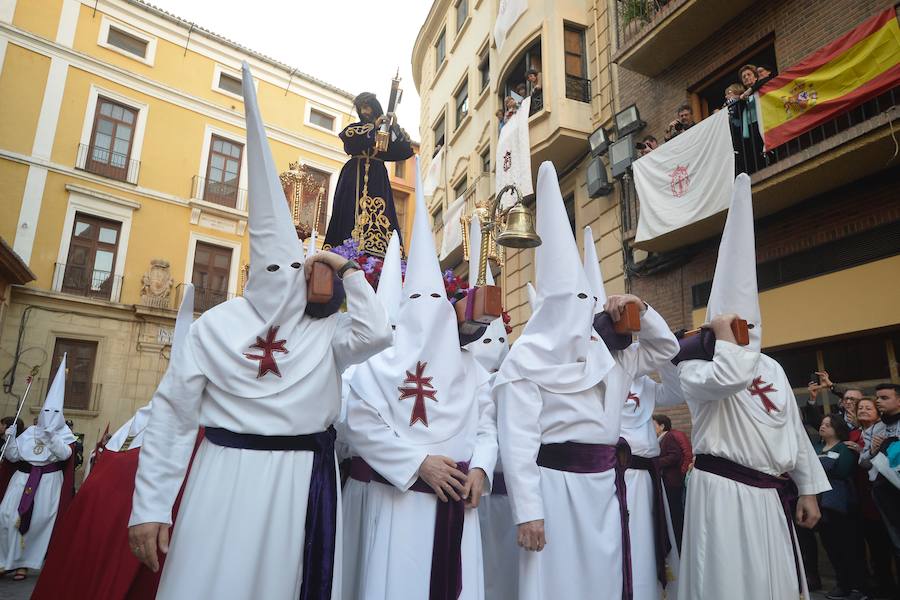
<point x="269" y="346"/>
<point x="421" y="389"/>
<point x="635" y="397"/>
<point x="761" y="388"/>
<point x="680" y="181"/>
<point x="507" y="161"/>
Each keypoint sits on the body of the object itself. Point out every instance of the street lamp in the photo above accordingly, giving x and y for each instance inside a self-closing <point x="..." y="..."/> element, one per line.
<point x="599" y="141"/>
<point x="628" y="121"/>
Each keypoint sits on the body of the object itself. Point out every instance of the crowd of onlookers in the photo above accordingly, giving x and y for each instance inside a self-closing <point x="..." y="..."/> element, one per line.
<point x="531" y="87"/>
<point x="743" y="118"/>
<point x="860" y="525"/>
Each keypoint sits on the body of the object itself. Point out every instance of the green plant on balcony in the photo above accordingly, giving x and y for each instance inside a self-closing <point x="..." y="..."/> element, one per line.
<point x="635" y="12"/>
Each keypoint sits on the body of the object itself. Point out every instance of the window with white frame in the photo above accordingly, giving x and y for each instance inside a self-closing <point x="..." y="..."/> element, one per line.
<point x="112" y="135"/>
<point x="127" y="41"/>
<point x="94" y="244"/>
<point x="227" y="81"/>
<point x="212" y="267"/>
<point x="322" y="119"/>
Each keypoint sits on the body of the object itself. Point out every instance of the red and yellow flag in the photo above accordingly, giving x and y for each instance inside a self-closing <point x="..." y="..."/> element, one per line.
<point x="854" y="68"/>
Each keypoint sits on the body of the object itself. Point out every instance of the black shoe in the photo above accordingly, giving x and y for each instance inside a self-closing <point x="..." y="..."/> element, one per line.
<point x="838" y="593"/>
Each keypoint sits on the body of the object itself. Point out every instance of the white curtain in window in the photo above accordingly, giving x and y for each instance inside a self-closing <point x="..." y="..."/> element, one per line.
<point x="452" y="226"/>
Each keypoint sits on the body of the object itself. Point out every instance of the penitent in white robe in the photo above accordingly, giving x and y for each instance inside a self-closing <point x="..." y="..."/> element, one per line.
<point x="398" y="525"/>
<point x="583" y="555"/>
<point x="736" y="543"/>
<point x="241" y="524"/>
<point x="639" y="431"/>
<point x="28" y="552"/>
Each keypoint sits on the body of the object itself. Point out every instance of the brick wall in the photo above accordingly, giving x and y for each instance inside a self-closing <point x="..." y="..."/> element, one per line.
<point x="799" y="27"/>
<point x="852" y="209"/>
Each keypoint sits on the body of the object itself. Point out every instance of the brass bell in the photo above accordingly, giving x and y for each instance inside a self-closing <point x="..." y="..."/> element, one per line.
<point x="519" y="231"/>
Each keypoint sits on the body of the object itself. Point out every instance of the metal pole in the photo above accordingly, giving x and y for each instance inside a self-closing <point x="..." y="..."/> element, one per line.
<point x="29" y="380"/>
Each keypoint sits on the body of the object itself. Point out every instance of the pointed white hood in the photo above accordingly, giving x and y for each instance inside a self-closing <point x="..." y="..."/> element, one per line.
<point x="419" y="385"/>
<point x="230" y="340"/>
<point x="134" y="427"/>
<point x="390" y="283"/>
<point x="32" y="442"/>
<point x="734" y="288"/>
<point x="593" y="271"/>
<point x="492" y="347"/>
<point x="556" y="350"/>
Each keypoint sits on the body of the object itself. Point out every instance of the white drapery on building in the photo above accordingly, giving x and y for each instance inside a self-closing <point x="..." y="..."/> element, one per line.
<point x="513" y="159"/>
<point x="685" y="180"/>
<point x="452" y="226"/>
<point x="507" y="15"/>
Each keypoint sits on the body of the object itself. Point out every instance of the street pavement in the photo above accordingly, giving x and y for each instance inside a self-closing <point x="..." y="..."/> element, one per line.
<point x="17" y="590"/>
<point x="21" y="590"/>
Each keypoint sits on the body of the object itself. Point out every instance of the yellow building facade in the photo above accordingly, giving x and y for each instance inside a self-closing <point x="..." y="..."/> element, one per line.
<point x="122" y="176"/>
<point x="463" y="79"/>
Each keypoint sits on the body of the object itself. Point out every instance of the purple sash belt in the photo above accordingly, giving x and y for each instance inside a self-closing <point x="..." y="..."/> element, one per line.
<point x="26" y="503"/>
<point x="783" y="485"/>
<point x="446" y="553"/>
<point x="576" y="457"/>
<point x="661" y="541"/>
<point x="321" y="509"/>
<point x="498" y="485"/>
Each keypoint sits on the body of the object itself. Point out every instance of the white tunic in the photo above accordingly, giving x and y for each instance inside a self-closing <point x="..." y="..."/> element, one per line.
<point x="17" y="552"/>
<point x="583" y="555"/>
<point x="639" y="431"/>
<point x="398" y="525"/>
<point x="241" y="523"/>
<point x="736" y="541"/>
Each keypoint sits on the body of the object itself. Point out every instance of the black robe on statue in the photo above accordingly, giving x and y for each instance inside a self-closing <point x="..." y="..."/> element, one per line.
<point x="379" y="217"/>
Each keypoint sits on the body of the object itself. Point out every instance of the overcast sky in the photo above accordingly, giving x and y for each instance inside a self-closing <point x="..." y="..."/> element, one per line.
<point x="343" y="42"/>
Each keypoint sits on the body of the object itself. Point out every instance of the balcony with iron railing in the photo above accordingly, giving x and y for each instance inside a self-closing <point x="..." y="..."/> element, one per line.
<point x="103" y="162"/>
<point x="217" y="192"/>
<point x="854" y="144"/>
<point x="79" y="280"/>
<point x="204" y="298"/>
<point x="578" y="88"/>
<point x="652" y="34"/>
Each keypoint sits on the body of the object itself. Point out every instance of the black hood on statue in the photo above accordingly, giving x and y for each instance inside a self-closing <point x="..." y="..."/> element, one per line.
<point x="370" y="99"/>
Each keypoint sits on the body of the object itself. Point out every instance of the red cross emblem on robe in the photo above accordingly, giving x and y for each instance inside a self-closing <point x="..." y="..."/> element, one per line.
<point x="269" y="347"/>
<point x="762" y="389"/>
<point x="419" y="388"/>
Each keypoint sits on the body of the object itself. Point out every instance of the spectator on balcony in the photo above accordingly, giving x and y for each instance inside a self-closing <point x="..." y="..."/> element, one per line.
<point x="511" y="108"/>
<point x="763" y="75"/>
<point x="647" y="145"/>
<point x="501" y="119"/>
<point x="533" y="78"/>
<point x="733" y="106"/>
<point x="750" y="137"/>
<point x="519" y="93"/>
<point x="684" y="122"/>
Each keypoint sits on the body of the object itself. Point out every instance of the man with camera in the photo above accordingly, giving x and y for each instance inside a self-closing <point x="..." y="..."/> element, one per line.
<point x="684" y="122"/>
<point x="646" y="145"/>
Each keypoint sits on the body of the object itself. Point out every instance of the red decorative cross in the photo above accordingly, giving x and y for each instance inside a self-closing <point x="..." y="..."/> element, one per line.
<point x="269" y="346"/>
<point x="423" y="389"/>
<point x="761" y="388"/>
<point x="507" y="161"/>
<point x="635" y="397"/>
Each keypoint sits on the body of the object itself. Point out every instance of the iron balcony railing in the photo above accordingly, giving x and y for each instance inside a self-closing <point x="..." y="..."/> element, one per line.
<point x="578" y="88"/>
<point x="217" y="192"/>
<point x="103" y="162"/>
<point x="633" y="15"/>
<point x="750" y="156"/>
<point x="80" y="280"/>
<point x="204" y="298"/>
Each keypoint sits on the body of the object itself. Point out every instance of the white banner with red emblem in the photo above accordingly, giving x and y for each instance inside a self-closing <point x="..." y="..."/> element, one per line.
<point x="513" y="159"/>
<point x="685" y="180"/>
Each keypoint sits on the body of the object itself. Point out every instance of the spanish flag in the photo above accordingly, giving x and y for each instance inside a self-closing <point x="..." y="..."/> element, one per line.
<point x="854" y="68"/>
